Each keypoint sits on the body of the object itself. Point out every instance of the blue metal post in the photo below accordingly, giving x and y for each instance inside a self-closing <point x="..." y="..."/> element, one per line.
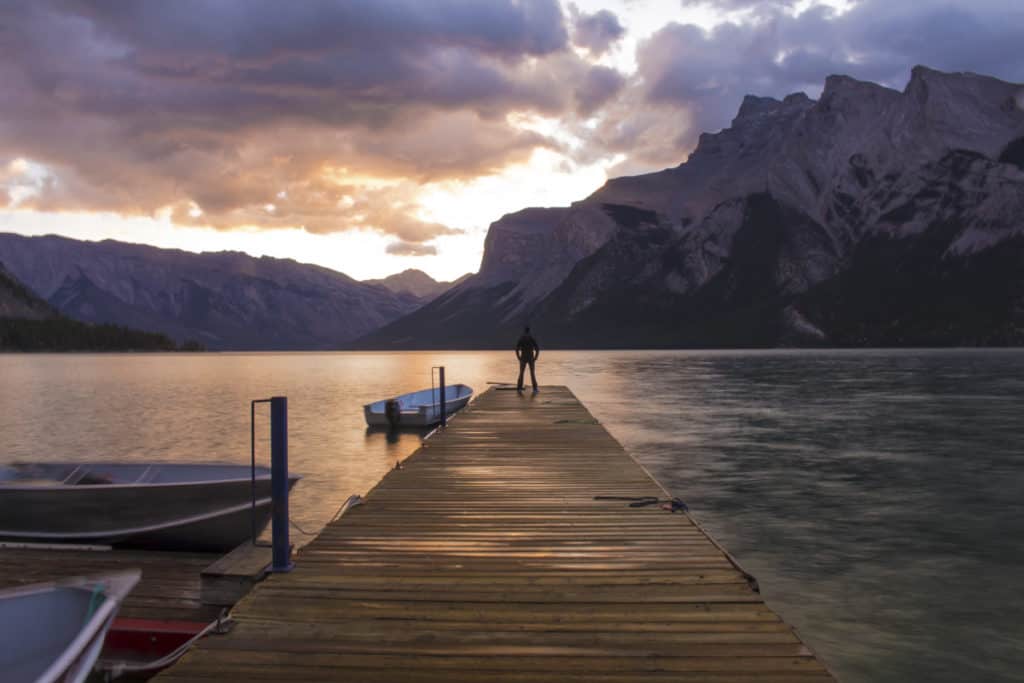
<point x="282" y="561"/>
<point x="444" y="408"/>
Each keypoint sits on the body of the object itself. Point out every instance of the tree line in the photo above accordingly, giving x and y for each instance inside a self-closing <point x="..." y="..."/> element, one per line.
<point x="64" y="334"/>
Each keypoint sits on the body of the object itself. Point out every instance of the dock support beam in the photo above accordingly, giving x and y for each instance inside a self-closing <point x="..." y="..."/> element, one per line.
<point x="282" y="561"/>
<point x="444" y="408"/>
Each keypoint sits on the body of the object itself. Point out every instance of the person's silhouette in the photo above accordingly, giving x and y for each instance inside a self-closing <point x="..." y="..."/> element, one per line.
<point x="527" y="351"/>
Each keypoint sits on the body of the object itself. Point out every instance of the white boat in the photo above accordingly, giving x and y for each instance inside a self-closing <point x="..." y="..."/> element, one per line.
<point x="165" y="506"/>
<point x="418" y="408"/>
<point x="54" y="631"/>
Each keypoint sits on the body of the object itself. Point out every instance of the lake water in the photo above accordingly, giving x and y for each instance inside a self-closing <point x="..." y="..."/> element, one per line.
<point x="878" y="496"/>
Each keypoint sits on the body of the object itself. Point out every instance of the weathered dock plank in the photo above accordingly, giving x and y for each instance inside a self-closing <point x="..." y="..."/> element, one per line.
<point x="169" y="589"/>
<point x="487" y="557"/>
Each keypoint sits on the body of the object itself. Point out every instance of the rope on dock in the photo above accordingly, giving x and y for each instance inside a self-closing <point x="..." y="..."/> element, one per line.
<point x="750" y="578"/>
<point x="300" y="529"/>
<point x="669" y="504"/>
<point x="352" y="501"/>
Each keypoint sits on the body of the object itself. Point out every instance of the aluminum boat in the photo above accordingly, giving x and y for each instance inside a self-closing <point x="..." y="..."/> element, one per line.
<point x="418" y="408"/>
<point x="54" y="631"/>
<point x="165" y="506"/>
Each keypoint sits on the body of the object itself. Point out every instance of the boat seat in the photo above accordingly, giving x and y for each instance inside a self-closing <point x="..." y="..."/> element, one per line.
<point x="148" y="475"/>
<point x="75" y="476"/>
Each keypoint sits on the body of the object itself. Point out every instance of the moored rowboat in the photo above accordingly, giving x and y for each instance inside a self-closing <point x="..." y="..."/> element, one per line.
<point x="54" y="631"/>
<point x="417" y="408"/>
<point x="166" y="506"/>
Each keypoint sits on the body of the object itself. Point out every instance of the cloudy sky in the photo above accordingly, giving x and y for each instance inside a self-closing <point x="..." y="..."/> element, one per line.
<point x="371" y="136"/>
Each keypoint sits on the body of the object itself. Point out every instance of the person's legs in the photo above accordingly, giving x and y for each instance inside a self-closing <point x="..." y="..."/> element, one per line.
<point x="533" y="376"/>
<point x="522" y="369"/>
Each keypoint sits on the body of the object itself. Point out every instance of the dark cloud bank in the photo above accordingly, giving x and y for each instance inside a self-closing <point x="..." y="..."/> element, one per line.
<point x="273" y="114"/>
<point x="596" y="32"/>
<point x="696" y="79"/>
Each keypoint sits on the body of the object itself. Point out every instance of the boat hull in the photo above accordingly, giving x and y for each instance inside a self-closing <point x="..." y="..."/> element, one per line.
<point x="54" y="632"/>
<point x="417" y="408"/>
<point x="199" y="515"/>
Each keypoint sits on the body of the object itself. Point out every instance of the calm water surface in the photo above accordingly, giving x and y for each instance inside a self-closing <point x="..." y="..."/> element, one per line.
<point x="878" y="496"/>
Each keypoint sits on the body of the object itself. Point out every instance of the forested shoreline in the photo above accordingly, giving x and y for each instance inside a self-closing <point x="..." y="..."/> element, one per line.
<point x="59" y="334"/>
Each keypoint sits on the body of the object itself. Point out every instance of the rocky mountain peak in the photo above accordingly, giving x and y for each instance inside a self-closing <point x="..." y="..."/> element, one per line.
<point x="755" y="111"/>
<point x="753" y="105"/>
<point x="414" y="282"/>
<point x="410" y="277"/>
<point x="849" y="94"/>
<point x="784" y="222"/>
<point x="965" y="110"/>
<point x="921" y="75"/>
<point x="517" y="242"/>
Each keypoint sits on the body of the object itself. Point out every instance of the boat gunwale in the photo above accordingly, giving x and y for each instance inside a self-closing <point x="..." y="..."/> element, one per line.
<point x="60" y="486"/>
<point x="368" y="407"/>
<point x="116" y="586"/>
<point x="128" y="533"/>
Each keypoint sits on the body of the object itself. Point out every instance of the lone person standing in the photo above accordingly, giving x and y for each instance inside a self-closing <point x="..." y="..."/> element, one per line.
<point x="527" y="351"/>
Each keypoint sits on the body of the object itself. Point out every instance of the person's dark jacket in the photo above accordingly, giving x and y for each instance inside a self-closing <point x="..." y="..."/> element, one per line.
<point x="527" y="348"/>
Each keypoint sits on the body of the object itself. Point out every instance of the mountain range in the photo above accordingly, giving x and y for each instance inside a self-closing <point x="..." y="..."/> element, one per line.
<point x="867" y="217"/>
<point x="27" y="323"/>
<point x="223" y="300"/>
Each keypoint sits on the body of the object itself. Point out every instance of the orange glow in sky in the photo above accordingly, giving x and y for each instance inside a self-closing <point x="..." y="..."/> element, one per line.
<point x="369" y="184"/>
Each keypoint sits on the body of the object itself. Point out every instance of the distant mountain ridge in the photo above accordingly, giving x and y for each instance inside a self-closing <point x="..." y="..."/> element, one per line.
<point x="417" y="283"/>
<point x="16" y="301"/>
<point x="225" y="300"/>
<point x="867" y="217"/>
<point x="27" y="323"/>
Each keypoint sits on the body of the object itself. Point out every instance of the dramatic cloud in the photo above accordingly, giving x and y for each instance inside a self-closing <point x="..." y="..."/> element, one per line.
<point x="256" y="31"/>
<point x="690" y="80"/>
<point x="411" y="249"/>
<point x="596" y="32"/>
<point x="597" y="87"/>
<point x="730" y="5"/>
<point x="336" y="115"/>
<point x="270" y="114"/>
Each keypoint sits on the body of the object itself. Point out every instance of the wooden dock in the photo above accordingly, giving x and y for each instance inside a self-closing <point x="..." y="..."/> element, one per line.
<point x="169" y="589"/>
<point x="179" y="594"/>
<point x="487" y="557"/>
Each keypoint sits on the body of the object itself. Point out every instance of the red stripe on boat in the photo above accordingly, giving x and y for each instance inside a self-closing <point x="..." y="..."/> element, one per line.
<point x="152" y="638"/>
